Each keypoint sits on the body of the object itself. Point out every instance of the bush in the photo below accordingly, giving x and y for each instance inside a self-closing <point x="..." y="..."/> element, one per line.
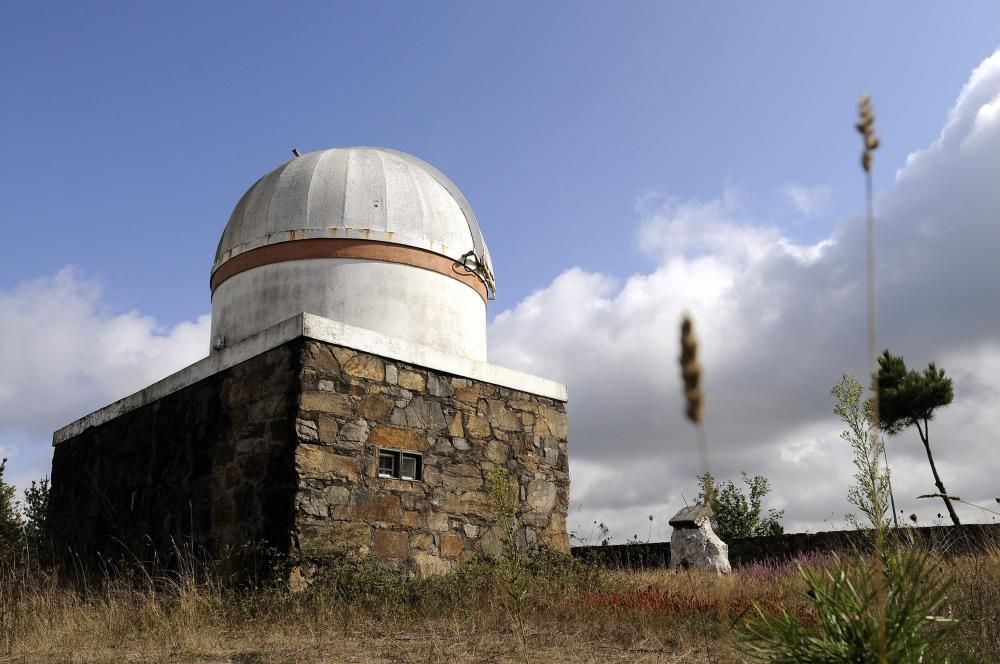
<point x="736" y="514"/>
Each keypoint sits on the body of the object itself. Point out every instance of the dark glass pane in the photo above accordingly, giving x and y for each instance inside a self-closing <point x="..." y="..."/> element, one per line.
<point x="387" y="464"/>
<point x="413" y="466"/>
<point x="409" y="468"/>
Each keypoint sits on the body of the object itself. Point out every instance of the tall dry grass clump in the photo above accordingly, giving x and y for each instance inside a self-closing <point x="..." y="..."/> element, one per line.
<point x="358" y="610"/>
<point x="363" y="611"/>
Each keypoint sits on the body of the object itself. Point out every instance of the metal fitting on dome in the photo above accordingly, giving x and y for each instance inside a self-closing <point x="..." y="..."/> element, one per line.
<point x="473" y="264"/>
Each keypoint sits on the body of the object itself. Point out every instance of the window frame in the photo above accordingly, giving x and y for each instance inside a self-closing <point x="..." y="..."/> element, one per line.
<point x="398" y="458"/>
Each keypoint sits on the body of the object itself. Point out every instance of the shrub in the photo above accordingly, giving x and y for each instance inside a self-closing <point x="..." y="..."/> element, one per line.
<point x="738" y="514"/>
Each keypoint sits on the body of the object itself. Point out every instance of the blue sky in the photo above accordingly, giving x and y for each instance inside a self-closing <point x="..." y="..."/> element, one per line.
<point x="131" y="129"/>
<point x="625" y="160"/>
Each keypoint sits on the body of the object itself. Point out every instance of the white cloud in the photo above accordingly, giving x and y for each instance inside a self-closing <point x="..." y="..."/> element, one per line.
<point x="64" y="355"/>
<point x="807" y="201"/>
<point x="778" y="323"/>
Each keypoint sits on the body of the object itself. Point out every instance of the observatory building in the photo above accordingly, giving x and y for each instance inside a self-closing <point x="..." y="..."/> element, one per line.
<point x="346" y="405"/>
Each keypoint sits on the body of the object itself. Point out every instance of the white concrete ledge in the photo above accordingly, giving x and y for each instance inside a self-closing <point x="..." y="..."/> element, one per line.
<point x="321" y="329"/>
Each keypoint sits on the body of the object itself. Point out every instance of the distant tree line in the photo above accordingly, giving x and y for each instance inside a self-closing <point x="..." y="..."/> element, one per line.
<point x="23" y="523"/>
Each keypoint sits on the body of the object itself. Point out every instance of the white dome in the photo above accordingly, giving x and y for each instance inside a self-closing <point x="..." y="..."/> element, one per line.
<point x="361" y="193"/>
<point x="370" y="237"/>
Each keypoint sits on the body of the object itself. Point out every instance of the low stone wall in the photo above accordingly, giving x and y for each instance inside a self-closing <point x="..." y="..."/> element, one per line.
<point x="950" y="540"/>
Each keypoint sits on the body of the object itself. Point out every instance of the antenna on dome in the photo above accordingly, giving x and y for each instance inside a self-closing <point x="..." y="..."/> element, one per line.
<point x="295" y="151"/>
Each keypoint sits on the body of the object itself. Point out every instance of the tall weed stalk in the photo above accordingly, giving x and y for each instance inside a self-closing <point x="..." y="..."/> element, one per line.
<point x="504" y="496"/>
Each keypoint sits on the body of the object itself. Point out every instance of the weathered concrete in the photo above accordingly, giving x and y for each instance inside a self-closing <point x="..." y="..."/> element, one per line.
<point x="282" y="449"/>
<point x="420" y="306"/>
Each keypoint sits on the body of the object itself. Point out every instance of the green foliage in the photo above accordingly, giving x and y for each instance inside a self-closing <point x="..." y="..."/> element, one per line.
<point x="23" y="527"/>
<point x="736" y="514"/>
<point x="10" y="522"/>
<point x="884" y="608"/>
<point x="36" y="512"/>
<point x="504" y="494"/>
<point x="909" y="397"/>
<point x="849" y="625"/>
<point x="870" y="492"/>
<point x="367" y="584"/>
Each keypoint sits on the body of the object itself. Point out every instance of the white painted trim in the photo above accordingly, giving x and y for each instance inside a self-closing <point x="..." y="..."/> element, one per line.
<point x="369" y="341"/>
<point x="320" y="329"/>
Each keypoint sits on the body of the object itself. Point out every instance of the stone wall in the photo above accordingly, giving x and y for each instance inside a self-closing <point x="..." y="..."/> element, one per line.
<point x="952" y="540"/>
<point x="354" y="403"/>
<point x="211" y="464"/>
<point x="282" y="450"/>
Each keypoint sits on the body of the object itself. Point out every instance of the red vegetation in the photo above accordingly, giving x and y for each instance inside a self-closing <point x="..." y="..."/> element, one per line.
<point x="668" y="603"/>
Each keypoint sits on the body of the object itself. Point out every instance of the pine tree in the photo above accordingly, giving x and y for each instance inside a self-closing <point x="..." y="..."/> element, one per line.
<point x="36" y="516"/>
<point x="9" y="521"/>
<point x="909" y="398"/>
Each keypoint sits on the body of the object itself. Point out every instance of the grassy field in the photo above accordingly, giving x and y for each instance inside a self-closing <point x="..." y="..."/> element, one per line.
<point x="365" y="613"/>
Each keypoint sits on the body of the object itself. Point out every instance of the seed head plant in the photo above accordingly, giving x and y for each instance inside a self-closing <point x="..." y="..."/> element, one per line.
<point x="866" y="127"/>
<point x="691" y="372"/>
<point x="693" y="393"/>
<point x="694" y="398"/>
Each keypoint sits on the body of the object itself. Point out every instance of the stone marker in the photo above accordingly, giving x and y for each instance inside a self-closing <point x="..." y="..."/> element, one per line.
<point x="694" y="543"/>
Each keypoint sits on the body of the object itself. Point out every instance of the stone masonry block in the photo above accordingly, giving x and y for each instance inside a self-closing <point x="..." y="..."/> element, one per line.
<point x="391" y="544"/>
<point x="452" y="545"/>
<point x="401" y="438"/>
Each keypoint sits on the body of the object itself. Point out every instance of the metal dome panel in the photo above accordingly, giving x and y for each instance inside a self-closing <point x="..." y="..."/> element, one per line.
<point x="357" y="193"/>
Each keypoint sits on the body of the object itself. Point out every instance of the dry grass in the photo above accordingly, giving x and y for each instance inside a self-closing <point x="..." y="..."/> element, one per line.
<point x="573" y="615"/>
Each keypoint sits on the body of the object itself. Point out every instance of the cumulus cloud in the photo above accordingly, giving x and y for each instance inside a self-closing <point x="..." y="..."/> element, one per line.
<point x="779" y="321"/>
<point x="64" y="355"/>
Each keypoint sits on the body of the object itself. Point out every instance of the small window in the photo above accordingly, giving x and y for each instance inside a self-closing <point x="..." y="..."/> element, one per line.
<point x="400" y="465"/>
